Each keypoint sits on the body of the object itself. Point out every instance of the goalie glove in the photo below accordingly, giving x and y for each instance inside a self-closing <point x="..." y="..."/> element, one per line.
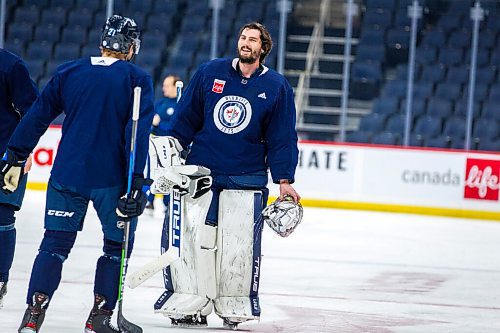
<point x="133" y="205"/>
<point x="194" y="180"/>
<point x="11" y="171"/>
<point x="283" y="216"/>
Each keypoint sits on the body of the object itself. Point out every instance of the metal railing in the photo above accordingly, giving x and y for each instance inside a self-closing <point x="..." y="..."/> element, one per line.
<point x="314" y="51"/>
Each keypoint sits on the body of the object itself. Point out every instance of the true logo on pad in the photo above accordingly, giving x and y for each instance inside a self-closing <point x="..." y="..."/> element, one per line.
<point x="482" y="179"/>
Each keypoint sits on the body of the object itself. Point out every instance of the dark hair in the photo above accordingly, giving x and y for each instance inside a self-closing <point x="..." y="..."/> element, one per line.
<point x="265" y="38"/>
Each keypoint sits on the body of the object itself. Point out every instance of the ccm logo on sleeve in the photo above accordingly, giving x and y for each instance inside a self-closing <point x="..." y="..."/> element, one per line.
<point x="60" y="213"/>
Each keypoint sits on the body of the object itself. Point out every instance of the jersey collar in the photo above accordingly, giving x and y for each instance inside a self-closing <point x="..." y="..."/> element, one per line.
<point x="260" y="71"/>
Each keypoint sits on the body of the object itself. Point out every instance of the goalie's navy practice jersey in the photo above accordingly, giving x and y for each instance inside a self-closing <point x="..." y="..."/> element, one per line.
<point x="238" y="125"/>
<point x="96" y="95"/>
<point x="17" y="93"/>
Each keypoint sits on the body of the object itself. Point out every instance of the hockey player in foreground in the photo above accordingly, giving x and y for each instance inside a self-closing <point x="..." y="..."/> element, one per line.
<point x="96" y="94"/>
<point x="239" y="117"/>
<point x="17" y="93"/>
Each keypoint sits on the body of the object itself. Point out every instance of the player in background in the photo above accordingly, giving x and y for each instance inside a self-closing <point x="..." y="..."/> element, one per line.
<point x="17" y="93"/>
<point x="240" y="117"/>
<point x="164" y="110"/>
<point x="96" y="95"/>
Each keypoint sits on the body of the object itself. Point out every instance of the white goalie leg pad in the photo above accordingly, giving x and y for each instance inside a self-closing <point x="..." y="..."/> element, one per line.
<point x="192" y="277"/>
<point x="238" y="255"/>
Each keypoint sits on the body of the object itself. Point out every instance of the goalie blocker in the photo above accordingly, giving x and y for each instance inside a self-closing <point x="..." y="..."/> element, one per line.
<point x="220" y="257"/>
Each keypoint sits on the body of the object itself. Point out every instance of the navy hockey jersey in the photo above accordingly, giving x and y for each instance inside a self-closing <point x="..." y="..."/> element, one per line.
<point x="238" y="125"/>
<point x="96" y="95"/>
<point x="17" y="93"/>
<point x="165" y="108"/>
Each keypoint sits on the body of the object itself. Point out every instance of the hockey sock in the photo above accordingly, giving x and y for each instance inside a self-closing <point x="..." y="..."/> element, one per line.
<point x="7" y="240"/>
<point x="46" y="273"/>
<point x="107" y="274"/>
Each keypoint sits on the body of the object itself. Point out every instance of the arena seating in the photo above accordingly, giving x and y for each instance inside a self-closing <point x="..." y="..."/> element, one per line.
<point x="441" y="85"/>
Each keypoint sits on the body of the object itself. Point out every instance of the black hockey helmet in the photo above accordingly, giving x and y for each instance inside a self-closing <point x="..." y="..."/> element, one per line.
<point x="119" y="33"/>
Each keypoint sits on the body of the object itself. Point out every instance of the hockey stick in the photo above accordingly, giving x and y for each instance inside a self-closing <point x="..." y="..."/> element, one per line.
<point x="174" y="233"/>
<point x="123" y="324"/>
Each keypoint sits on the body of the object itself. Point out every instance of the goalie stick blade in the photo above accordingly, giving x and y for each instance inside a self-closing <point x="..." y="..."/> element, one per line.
<point x="151" y="268"/>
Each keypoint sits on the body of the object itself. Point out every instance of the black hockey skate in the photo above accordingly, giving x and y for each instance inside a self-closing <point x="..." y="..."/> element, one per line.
<point x="233" y="325"/>
<point x="35" y="313"/>
<point x="3" y="291"/>
<point x="99" y="320"/>
<point x="190" y="321"/>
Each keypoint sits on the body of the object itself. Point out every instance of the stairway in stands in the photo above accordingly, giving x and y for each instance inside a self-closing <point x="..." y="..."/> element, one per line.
<point x="321" y="114"/>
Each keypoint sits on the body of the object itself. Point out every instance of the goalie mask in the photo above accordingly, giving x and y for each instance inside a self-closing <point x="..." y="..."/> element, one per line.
<point x="283" y="216"/>
<point x="119" y="34"/>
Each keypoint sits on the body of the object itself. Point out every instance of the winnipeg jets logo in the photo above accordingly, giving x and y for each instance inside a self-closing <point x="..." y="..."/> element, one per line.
<point x="232" y="114"/>
<point x="263" y="95"/>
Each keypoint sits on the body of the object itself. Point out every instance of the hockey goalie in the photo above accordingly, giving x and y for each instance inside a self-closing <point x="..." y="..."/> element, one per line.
<point x="238" y="118"/>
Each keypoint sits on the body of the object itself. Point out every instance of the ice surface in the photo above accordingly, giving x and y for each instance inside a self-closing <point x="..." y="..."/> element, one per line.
<point x="341" y="271"/>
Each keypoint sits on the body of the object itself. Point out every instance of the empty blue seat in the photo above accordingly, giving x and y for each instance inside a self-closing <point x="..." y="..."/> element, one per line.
<point x="396" y="123"/>
<point x="151" y="58"/>
<point x="94" y="38"/>
<point x="482" y="58"/>
<point x="492" y="23"/>
<point x="372" y="37"/>
<point x="359" y="137"/>
<point x="75" y="35"/>
<point x="386" y="105"/>
<point x="455" y="127"/>
<point x="487" y="39"/>
<point x="426" y="54"/>
<point x="39" y="50"/>
<point x="494" y="96"/>
<point x="450" y="22"/>
<point x="160" y="22"/>
<point x="491" y="110"/>
<point x="83" y="18"/>
<point x="380" y="4"/>
<point x="489" y="145"/>
<point x="460" y="39"/>
<point x="428" y="126"/>
<point x="67" y="52"/>
<point x="450" y="56"/>
<point x="36" y="3"/>
<point x="92" y="5"/>
<point x="422" y="90"/>
<point x="398" y="38"/>
<point x="371" y="52"/>
<point x="434" y="38"/>
<point x="402" y="71"/>
<point x="486" y="75"/>
<point x="372" y="122"/>
<point x="460" y="7"/>
<point x="461" y="109"/>
<point x="47" y="33"/>
<point x="439" y="141"/>
<point x="418" y="107"/>
<point x="91" y="51"/>
<point x="140" y="5"/>
<point x="485" y="129"/>
<point x="480" y="92"/>
<point x="56" y="16"/>
<point x="21" y="31"/>
<point x="395" y="88"/>
<point x="433" y="73"/>
<point x="457" y="75"/>
<point x="51" y="67"/>
<point x="449" y="90"/>
<point x="386" y="138"/>
<point x="367" y="71"/>
<point x="181" y="60"/>
<point x="36" y="68"/>
<point x="15" y="46"/>
<point x="382" y="19"/>
<point x="439" y="107"/>
<point x="26" y="15"/>
<point x="165" y="6"/>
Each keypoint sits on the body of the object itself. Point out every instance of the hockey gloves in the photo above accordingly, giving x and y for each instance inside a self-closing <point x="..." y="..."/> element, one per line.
<point x="11" y="171"/>
<point x="133" y="205"/>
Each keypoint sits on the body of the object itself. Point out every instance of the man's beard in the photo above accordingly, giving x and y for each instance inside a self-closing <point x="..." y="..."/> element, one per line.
<point x="250" y="59"/>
